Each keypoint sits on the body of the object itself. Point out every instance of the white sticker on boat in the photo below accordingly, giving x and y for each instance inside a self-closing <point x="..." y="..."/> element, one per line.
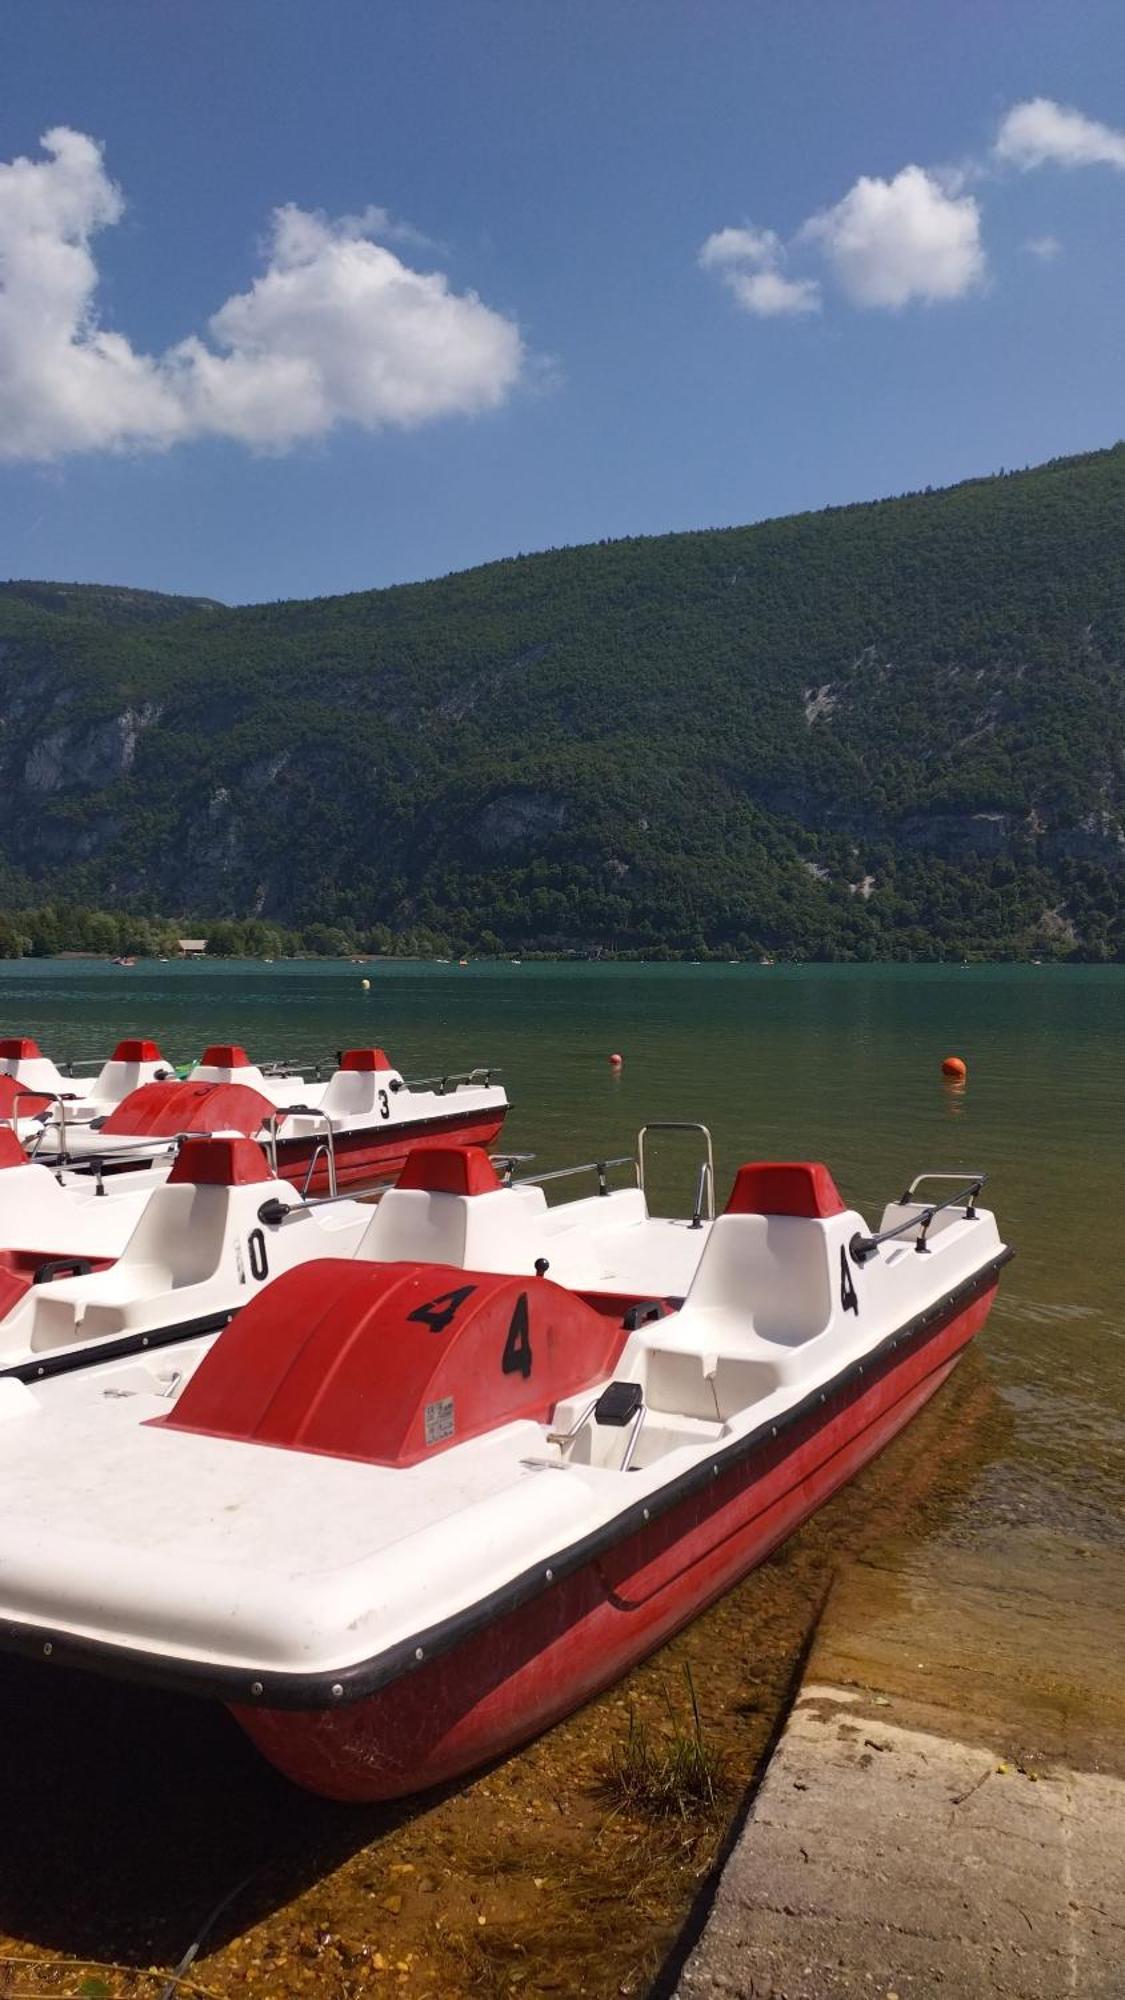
<point x="439" y="1420"/>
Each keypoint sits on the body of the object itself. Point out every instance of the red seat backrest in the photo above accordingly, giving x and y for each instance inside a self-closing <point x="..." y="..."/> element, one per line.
<point x="784" y="1187"/>
<point x="450" y="1170"/>
<point x="365" y="1059"/>
<point x="220" y="1163"/>
<point x="136" y="1051"/>
<point x="224" y="1055"/>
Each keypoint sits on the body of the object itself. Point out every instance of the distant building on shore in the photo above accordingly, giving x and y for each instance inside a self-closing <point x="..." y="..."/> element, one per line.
<point x="192" y="947"/>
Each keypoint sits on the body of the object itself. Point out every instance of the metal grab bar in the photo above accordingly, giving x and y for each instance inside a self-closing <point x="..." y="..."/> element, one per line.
<point x="46" y="1123"/>
<point x="978" y="1181"/>
<point x="598" y="1167"/>
<point x="452" y="1081"/>
<point x="862" y="1247"/>
<point x="707" y="1167"/>
<point x="704" y="1189"/>
<point x="564" y="1439"/>
<point x="327" y="1145"/>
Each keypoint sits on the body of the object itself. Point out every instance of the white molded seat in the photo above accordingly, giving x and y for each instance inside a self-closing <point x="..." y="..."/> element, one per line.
<point x="498" y="1231"/>
<point x="39" y="1073"/>
<point x="178" y="1241"/>
<point x="37" y="1214"/>
<point x="770" y="1273"/>
<point x="354" y="1093"/>
<point x="115" y="1080"/>
<point x="761" y="1293"/>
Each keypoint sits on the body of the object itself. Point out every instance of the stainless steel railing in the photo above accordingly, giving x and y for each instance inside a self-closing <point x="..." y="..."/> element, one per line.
<point x="705" y="1185"/>
<point x="862" y="1247"/>
<point x="324" y="1149"/>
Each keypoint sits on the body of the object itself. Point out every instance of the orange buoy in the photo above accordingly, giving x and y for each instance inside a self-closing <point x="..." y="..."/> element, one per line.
<point x="953" y="1066"/>
<point x="616" y="1061"/>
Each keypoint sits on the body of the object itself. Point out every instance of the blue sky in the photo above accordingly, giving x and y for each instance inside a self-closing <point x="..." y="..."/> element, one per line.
<point x="546" y="271"/>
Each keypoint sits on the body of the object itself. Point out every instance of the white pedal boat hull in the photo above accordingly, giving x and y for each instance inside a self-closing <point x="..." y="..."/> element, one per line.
<point x="367" y="1117"/>
<point x="198" y="1246"/>
<point x="378" y="1524"/>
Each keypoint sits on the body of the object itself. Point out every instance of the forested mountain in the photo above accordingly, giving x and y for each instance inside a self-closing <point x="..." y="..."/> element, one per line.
<point x="889" y="729"/>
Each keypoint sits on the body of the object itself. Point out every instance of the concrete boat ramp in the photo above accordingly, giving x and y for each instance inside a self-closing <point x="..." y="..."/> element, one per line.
<point x="945" y="1811"/>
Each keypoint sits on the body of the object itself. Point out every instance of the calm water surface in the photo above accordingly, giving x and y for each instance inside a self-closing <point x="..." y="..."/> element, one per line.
<point x="835" y="1063"/>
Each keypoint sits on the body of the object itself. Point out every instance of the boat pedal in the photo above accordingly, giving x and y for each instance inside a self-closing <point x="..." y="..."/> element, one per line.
<point x="619" y="1404"/>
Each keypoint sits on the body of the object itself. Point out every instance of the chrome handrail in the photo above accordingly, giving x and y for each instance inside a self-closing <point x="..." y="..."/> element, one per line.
<point x="453" y="1080"/>
<point x="327" y="1145"/>
<point x="598" y="1167"/>
<point x="978" y="1180"/>
<point x="704" y="1189"/>
<point x="862" y="1247"/>
<point x="707" y="1166"/>
<point x="52" y="1097"/>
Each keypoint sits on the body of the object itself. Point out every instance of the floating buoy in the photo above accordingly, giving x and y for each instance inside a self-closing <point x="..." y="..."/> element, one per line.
<point x="615" y="1061"/>
<point x="953" y="1066"/>
<point x="365" y="985"/>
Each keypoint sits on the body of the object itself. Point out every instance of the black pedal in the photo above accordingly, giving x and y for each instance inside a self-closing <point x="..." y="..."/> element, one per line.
<point x="618" y="1404"/>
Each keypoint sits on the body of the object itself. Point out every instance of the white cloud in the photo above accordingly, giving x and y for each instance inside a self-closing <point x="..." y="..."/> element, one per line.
<point x="740" y="246"/>
<point x="1039" y="130"/>
<point x="335" y="329"/>
<point x="746" y="261"/>
<point x="889" y="242"/>
<point x="1044" y="247"/>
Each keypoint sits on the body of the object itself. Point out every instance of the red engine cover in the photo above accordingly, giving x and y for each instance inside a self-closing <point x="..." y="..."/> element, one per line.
<point x="392" y="1362"/>
<point x="161" y="1110"/>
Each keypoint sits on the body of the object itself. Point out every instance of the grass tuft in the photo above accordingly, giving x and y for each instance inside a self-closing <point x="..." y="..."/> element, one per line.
<point x="673" y="1774"/>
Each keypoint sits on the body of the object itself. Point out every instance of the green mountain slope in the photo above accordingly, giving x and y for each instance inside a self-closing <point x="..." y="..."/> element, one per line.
<point x="881" y="729"/>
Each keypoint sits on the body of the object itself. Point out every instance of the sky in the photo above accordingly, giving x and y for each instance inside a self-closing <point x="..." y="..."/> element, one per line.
<point x="308" y="296"/>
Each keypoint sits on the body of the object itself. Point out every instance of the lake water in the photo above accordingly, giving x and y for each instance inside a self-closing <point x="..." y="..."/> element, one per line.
<point x="840" y="1063"/>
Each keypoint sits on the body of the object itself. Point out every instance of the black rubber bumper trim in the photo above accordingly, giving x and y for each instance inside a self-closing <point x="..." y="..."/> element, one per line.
<point x="70" y="1359"/>
<point x="259" y="1688"/>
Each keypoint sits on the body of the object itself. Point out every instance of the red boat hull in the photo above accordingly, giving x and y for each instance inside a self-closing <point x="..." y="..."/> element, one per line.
<point x="529" y="1667"/>
<point x="375" y="1154"/>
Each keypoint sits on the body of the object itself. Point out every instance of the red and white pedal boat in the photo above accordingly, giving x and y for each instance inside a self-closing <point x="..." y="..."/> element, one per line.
<point x="404" y="1515"/>
<point x="65" y="1215"/>
<point x="89" y="1285"/>
<point x="355" y="1128"/>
